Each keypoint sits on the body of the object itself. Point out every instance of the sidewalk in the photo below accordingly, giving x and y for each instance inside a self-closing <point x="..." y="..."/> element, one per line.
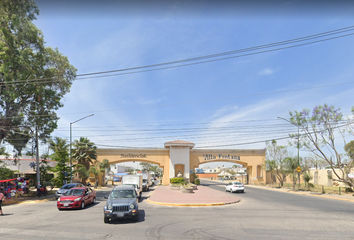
<point x="343" y="197"/>
<point x="204" y="196"/>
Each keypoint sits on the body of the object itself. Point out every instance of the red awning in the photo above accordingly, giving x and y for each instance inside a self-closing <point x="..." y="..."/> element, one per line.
<point x="8" y="180"/>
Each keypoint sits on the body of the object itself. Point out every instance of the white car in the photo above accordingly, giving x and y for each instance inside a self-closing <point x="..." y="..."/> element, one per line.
<point x="234" y="187"/>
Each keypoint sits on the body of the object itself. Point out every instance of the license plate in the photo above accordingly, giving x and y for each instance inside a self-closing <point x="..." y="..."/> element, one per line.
<point x="66" y="204"/>
<point x="120" y="214"/>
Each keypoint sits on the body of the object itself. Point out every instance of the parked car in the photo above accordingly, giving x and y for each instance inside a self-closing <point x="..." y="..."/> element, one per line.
<point x="122" y="203"/>
<point x="66" y="187"/>
<point x="77" y="197"/>
<point x="235" y="187"/>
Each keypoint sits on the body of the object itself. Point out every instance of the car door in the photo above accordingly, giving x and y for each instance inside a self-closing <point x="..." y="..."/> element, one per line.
<point x="90" y="195"/>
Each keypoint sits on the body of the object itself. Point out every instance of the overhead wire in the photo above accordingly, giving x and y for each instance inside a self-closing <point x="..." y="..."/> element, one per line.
<point x="306" y="38"/>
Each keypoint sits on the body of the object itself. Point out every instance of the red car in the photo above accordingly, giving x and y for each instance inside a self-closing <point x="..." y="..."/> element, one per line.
<point x="76" y="197"/>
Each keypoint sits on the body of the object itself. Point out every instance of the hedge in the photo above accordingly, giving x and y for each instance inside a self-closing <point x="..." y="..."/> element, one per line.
<point x="176" y="180"/>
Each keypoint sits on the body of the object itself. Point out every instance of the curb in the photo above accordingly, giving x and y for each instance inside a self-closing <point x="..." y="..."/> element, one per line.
<point x="190" y="204"/>
<point x="304" y="193"/>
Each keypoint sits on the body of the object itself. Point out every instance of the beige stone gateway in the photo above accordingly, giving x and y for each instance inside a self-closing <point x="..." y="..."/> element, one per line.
<point x="179" y="156"/>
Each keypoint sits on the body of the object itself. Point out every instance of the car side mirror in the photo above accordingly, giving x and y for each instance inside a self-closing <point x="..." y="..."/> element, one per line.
<point x="105" y="197"/>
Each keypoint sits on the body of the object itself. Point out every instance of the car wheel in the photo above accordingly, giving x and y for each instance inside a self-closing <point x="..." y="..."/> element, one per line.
<point x="136" y="218"/>
<point x="106" y="220"/>
<point x="243" y="191"/>
<point x="60" y="209"/>
<point x="94" y="201"/>
<point x="82" y="204"/>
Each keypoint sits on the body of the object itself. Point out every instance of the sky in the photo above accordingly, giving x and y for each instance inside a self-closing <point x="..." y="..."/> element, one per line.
<point x="232" y="103"/>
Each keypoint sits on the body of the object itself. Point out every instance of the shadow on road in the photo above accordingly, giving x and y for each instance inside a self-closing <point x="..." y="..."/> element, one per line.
<point x="127" y="220"/>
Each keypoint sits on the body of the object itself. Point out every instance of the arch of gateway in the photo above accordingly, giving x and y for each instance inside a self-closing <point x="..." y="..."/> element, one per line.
<point x="179" y="156"/>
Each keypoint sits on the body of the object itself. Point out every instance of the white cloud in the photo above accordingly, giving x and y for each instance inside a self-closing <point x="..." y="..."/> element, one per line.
<point x="266" y="71"/>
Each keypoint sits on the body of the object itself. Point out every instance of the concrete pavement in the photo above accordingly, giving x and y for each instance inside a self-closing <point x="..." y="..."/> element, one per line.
<point x="203" y="196"/>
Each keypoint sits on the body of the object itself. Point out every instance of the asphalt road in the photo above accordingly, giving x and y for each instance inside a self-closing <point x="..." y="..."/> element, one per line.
<point x="261" y="214"/>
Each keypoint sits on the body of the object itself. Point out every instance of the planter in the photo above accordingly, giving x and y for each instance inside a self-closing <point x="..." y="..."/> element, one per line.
<point x="187" y="190"/>
<point x="172" y="187"/>
<point x="194" y="187"/>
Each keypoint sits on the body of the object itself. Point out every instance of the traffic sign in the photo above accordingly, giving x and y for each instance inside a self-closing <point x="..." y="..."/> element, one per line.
<point x="298" y="169"/>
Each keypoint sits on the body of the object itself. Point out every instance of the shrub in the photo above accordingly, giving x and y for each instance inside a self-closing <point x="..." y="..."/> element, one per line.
<point x="197" y="181"/>
<point x="177" y="180"/>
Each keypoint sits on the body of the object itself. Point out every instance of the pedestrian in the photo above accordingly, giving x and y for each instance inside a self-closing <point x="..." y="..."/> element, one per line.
<point x="2" y="198"/>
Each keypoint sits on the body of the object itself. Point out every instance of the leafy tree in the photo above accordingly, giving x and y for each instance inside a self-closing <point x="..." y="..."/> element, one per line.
<point x="5" y="173"/>
<point x="84" y="154"/>
<point x="277" y="154"/>
<point x="33" y="78"/>
<point x="271" y="167"/>
<point x="61" y="156"/>
<point x="291" y="165"/>
<point x="44" y="170"/>
<point x="145" y="166"/>
<point x="318" y="130"/>
<point x="307" y="178"/>
<point x="316" y="162"/>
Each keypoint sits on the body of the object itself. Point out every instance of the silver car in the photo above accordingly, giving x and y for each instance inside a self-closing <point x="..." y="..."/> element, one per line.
<point x="122" y="203"/>
<point x="66" y="187"/>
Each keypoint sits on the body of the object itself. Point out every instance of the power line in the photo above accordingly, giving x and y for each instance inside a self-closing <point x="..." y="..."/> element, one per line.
<point x="124" y="71"/>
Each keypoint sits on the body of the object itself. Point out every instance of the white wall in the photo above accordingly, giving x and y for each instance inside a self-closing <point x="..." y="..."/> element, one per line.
<point x="179" y="156"/>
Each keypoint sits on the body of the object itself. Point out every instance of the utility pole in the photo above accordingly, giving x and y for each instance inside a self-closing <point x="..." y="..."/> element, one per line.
<point x="37" y="159"/>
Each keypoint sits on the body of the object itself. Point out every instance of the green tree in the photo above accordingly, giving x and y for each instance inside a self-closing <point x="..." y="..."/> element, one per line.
<point x="84" y="154"/>
<point x="61" y="156"/>
<point x="271" y="167"/>
<point x="291" y="165"/>
<point x="145" y="166"/>
<point x="44" y="169"/>
<point x="277" y="154"/>
<point x="5" y="173"/>
<point x="318" y="131"/>
<point x="33" y="78"/>
<point x="307" y="178"/>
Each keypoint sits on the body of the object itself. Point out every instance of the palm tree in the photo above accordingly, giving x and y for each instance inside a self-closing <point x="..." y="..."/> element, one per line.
<point x="84" y="154"/>
<point x="99" y="170"/>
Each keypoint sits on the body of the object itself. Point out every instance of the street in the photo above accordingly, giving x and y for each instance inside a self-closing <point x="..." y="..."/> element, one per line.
<point x="261" y="214"/>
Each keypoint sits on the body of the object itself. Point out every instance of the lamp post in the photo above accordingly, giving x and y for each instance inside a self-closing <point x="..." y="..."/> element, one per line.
<point x="298" y="148"/>
<point x="71" y="162"/>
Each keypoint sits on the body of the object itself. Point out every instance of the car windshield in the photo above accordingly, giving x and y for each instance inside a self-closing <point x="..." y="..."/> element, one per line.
<point x="122" y="194"/>
<point x="74" y="192"/>
<point x="68" y="186"/>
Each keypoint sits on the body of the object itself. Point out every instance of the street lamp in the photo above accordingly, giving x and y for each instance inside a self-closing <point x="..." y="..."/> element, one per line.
<point x="298" y="148"/>
<point x="71" y="162"/>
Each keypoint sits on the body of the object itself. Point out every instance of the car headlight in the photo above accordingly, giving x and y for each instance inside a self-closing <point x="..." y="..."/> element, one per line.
<point x="58" y="199"/>
<point x="132" y="206"/>
<point x="77" y="199"/>
<point x="109" y="207"/>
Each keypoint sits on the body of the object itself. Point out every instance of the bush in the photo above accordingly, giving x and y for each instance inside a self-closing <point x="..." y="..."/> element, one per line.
<point x="177" y="180"/>
<point x="197" y="181"/>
